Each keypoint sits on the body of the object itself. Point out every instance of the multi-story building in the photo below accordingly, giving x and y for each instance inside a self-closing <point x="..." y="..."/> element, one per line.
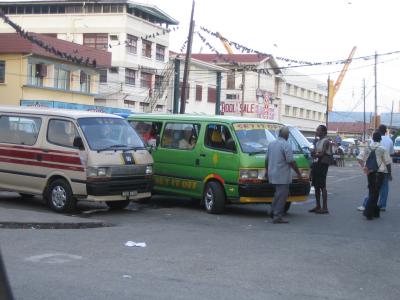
<point x="55" y="71"/>
<point x="303" y="102"/>
<point x="136" y="34"/>
<point x="201" y="88"/>
<point x="253" y="85"/>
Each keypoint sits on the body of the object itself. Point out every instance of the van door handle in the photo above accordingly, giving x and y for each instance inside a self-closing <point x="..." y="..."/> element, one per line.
<point x="203" y="155"/>
<point x="39" y="157"/>
<point x="197" y="162"/>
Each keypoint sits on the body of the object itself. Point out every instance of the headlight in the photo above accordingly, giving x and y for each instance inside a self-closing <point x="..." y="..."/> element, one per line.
<point x="149" y="170"/>
<point x="97" y="172"/>
<point x="252" y="174"/>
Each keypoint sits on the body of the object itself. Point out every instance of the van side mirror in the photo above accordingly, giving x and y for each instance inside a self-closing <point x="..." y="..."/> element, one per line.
<point x="78" y="143"/>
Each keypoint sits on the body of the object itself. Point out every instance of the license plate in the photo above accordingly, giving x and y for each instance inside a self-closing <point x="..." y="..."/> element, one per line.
<point x="129" y="194"/>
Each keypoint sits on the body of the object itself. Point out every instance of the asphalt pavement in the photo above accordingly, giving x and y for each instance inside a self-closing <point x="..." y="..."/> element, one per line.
<point x="190" y="254"/>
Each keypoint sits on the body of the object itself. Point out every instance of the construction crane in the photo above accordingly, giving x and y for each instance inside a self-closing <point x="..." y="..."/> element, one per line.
<point x="333" y="88"/>
<point x="225" y="43"/>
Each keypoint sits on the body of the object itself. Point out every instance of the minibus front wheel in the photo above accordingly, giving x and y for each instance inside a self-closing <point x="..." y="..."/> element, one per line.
<point x="59" y="196"/>
<point x="214" y="198"/>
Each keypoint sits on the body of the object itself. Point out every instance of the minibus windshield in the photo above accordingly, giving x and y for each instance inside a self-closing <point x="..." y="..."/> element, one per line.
<point x="293" y="141"/>
<point x="104" y="134"/>
<point x="253" y="137"/>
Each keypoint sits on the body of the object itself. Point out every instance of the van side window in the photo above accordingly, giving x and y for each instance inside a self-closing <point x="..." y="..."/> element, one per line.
<point x="180" y="136"/>
<point x="61" y="133"/>
<point x="148" y="131"/>
<point x="19" y="130"/>
<point x="219" y="137"/>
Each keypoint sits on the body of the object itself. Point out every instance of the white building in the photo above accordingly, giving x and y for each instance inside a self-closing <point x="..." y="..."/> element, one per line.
<point x="304" y="101"/>
<point x="136" y="34"/>
<point x="201" y="88"/>
<point x="246" y="91"/>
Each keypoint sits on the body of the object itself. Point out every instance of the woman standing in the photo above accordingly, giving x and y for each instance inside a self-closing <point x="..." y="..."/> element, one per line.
<point x="322" y="155"/>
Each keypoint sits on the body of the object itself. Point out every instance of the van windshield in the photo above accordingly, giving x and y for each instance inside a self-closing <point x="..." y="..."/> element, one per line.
<point x="253" y="137"/>
<point x="109" y="134"/>
<point x="293" y="140"/>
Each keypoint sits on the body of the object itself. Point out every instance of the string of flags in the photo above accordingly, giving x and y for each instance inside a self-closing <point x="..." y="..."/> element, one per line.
<point x="163" y="32"/>
<point x="298" y="63"/>
<point x="33" y="39"/>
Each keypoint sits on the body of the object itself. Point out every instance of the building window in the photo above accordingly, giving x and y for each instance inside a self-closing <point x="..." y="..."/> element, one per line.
<point x="36" y="74"/>
<point x="145" y="80"/>
<point x="287" y="110"/>
<point x="146" y="48"/>
<point x="96" y="40"/>
<point x="294" y="111"/>
<point x="131" y="43"/>
<point x="308" y="114"/>
<point x="2" y="71"/>
<point x="302" y="92"/>
<point x="103" y="75"/>
<point x="114" y="70"/>
<point x="295" y="90"/>
<point x="230" y="80"/>
<point x="160" y="53"/>
<point x="143" y="106"/>
<point x="85" y="81"/>
<point x="287" y="88"/>
<point x="314" y="115"/>
<point x="309" y="94"/>
<point x="212" y="95"/>
<point x="199" y="92"/>
<point x="158" y="80"/>
<point x="232" y="96"/>
<point x="129" y="103"/>
<point x="130" y="76"/>
<point x="61" y="79"/>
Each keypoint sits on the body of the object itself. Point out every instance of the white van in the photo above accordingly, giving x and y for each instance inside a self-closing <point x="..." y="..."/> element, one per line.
<point x="68" y="155"/>
<point x="396" y="154"/>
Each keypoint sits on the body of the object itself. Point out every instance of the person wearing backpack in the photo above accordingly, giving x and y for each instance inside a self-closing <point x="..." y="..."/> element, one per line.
<point x="323" y="157"/>
<point x="376" y="163"/>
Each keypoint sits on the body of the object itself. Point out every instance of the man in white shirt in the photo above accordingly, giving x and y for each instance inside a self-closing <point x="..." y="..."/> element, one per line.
<point x="376" y="163"/>
<point x="386" y="143"/>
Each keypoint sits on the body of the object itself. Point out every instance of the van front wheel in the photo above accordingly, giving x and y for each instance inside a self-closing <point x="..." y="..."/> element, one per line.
<point x="214" y="198"/>
<point x="114" y="205"/>
<point x="59" y="196"/>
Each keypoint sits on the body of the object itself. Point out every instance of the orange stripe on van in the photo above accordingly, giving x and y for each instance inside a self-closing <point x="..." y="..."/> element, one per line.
<point x="41" y="164"/>
<point x="14" y="153"/>
<point x="215" y="176"/>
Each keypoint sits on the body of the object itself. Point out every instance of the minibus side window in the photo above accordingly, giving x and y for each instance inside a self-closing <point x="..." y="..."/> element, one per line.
<point x="182" y="136"/>
<point x="19" y="130"/>
<point x="219" y="137"/>
<point x="61" y="133"/>
<point x="148" y="131"/>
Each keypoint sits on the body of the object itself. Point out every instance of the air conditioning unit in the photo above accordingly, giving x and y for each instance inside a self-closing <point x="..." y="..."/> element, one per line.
<point x="40" y="70"/>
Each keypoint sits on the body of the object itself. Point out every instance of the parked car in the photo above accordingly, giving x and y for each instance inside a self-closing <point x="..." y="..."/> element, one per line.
<point x="396" y="154"/>
<point x="68" y="155"/>
<point x="216" y="159"/>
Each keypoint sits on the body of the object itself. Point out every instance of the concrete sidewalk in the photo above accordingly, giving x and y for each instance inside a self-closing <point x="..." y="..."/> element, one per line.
<point x="16" y="212"/>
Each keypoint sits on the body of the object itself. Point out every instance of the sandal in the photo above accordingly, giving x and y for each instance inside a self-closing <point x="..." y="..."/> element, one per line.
<point x="314" y="210"/>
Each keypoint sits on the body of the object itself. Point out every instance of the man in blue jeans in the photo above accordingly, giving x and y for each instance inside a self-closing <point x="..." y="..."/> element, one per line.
<point x="387" y="143"/>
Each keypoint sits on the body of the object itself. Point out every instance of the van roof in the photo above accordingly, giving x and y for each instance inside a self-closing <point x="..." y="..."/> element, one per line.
<point x="199" y="118"/>
<point x="68" y="113"/>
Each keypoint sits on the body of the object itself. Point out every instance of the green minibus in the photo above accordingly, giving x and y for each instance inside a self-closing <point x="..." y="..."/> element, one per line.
<point x="217" y="159"/>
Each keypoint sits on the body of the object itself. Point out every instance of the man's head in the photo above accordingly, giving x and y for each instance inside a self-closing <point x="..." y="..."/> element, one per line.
<point x="382" y="129"/>
<point x="284" y="132"/>
<point x="377" y="137"/>
<point x="321" y="131"/>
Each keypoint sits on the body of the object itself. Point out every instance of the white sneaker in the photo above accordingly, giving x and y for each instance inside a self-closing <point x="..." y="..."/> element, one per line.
<point x="361" y="208"/>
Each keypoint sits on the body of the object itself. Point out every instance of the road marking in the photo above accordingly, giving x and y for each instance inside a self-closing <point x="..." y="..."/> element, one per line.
<point x="53" y="258"/>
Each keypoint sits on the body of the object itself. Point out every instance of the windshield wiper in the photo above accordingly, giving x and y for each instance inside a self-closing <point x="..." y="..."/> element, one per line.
<point x="112" y="147"/>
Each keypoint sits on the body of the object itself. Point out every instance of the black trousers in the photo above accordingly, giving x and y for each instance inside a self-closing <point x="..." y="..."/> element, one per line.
<point x="375" y="181"/>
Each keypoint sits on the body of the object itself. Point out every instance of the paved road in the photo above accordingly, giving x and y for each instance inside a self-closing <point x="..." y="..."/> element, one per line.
<point x="194" y="255"/>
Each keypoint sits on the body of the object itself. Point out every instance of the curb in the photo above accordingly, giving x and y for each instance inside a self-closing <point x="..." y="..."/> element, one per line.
<point x="55" y="225"/>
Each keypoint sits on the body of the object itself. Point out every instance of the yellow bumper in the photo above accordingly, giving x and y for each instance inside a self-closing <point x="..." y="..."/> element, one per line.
<point x="269" y="199"/>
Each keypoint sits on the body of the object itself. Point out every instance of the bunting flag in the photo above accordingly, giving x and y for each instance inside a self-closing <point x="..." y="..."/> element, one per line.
<point x="163" y="32"/>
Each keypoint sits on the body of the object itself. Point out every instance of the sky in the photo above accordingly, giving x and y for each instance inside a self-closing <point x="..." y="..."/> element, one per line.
<point x="307" y="30"/>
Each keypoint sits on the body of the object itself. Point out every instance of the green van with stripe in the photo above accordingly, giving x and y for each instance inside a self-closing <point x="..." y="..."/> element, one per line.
<point x="217" y="159"/>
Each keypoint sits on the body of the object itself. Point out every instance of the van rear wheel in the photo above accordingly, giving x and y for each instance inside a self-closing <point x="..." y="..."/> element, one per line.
<point x="115" y="205"/>
<point x="59" y="196"/>
<point x="214" y="198"/>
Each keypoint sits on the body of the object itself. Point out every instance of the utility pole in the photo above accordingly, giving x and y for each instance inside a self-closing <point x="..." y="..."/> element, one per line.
<point x="187" y="62"/>
<point x="176" y="85"/>
<point x="391" y="115"/>
<point x="327" y="102"/>
<point x="243" y="87"/>
<point x="376" y="93"/>
<point x="364" y="127"/>
<point x="218" y="96"/>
